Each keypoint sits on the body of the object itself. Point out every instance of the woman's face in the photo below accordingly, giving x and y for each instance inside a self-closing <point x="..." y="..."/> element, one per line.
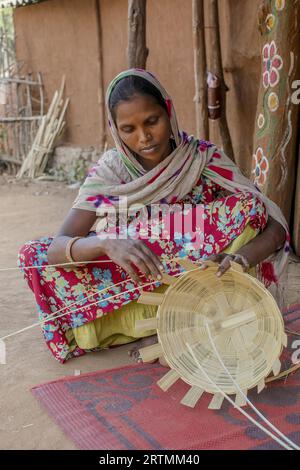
<point x="144" y="126"/>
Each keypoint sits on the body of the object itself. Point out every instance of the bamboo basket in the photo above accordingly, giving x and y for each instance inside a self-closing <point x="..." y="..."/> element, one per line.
<point x="245" y="325"/>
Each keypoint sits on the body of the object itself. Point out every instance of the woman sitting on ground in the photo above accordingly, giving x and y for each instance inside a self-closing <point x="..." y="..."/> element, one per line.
<point x="153" y="163"/>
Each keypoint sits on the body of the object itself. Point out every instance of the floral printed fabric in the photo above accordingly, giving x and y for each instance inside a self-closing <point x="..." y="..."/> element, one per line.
<point x="118" y="173"/>
<point x="55" y="288"/>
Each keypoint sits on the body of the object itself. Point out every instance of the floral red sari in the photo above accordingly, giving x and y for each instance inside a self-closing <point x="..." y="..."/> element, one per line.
<point x="55" y="288"/>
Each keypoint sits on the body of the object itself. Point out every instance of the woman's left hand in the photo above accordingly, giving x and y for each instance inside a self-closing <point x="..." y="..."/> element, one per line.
<point x="224" y="259"/>
<point x="255" y="251"/>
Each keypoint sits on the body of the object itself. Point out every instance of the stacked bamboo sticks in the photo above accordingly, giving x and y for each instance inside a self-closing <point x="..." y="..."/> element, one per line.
<point x="51" y="127"/>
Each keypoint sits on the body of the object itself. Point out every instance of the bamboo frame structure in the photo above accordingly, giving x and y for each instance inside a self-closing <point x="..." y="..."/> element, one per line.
<point x="51" y="127"/>
<point x="21" y="108"/>
<point x="245" y="323"/>
<point x="21" y="102"/>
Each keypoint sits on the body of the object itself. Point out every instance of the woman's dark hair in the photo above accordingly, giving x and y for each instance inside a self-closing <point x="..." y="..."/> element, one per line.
<point x="127" y="87"/>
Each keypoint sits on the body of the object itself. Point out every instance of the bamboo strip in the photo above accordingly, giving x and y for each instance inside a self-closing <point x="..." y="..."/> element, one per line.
<point x="151" y="298"/>
<point x="146" y="324"/>
<point x="284" y="340"/>
<point x="276" y="367"/>
<point x="168" y="380"/>
<point x="261" y="385"/>
<point x="239" y="319"/>
<point x="286" y="443"/>
<point x="240" y="400"/>
<point x="191" y="398"/>
<point x="19" y="118"/>
<point x="2" y="352"/>
<point x="40" y="82"/>
<point x="285" y="373"/>
<point x="216" y="402"/>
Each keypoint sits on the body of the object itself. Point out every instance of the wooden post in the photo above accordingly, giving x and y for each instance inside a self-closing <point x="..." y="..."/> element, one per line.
<point x="275" y="137"/>
<point x="137" y="51"/>
<point x="202" y="127"/>
<point x="101" y="92"/>
<point x="216" y="68"/>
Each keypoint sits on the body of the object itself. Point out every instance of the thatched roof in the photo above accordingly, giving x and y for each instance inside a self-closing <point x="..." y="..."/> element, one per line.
<point x="18" y="3"/>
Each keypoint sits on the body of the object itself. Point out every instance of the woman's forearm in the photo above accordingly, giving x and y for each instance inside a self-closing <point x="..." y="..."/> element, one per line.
<point x="84" y="249"/>
<point x="264" y="244"/>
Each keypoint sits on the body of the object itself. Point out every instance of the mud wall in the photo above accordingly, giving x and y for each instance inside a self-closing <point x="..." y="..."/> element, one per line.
<point x="60" y="37"/>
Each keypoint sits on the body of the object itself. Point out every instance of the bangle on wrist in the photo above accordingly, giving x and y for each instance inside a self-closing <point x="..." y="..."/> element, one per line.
<point x="68" y="250"/>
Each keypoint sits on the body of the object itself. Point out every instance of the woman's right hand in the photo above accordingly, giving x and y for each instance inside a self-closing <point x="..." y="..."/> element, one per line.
<point x="133" y="253"/>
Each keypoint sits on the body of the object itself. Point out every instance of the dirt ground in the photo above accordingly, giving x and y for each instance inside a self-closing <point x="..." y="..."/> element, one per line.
<point x="28" y="211"/>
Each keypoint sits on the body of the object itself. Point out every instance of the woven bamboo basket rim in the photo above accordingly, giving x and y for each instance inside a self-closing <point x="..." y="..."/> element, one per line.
<point x="243" y="318"/>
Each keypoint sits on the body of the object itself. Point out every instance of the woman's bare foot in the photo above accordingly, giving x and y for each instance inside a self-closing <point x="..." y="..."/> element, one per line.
<point x="141" y="343"/>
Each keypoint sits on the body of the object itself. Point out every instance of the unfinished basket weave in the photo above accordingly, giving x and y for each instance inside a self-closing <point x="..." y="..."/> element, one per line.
<point x="244" y="321"/>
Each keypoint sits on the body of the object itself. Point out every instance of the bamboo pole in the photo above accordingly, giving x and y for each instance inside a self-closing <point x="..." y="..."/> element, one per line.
<point x="29" y="112"/>
<point x="202" y="126"/>
<point x="101" y="93"/>
<point x="41" y="90"/>
<point x="137" y="52"/>
<point x="18" y="141"/>
<point x="217" y="70"/>
<point x="51" y="127"/>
